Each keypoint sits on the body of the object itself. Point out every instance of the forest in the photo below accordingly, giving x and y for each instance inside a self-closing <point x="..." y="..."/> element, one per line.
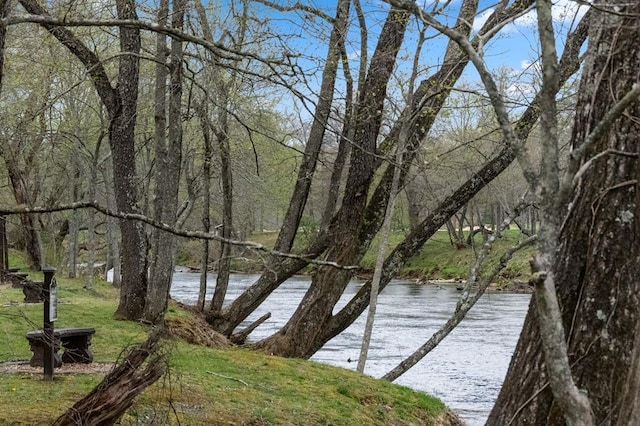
<point x="137" y="136"/>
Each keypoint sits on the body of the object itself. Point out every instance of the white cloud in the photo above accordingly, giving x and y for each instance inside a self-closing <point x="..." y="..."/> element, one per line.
<point x="481" y="19"/>
<point x="563" y="12"/>
<point x="525" y="64"/>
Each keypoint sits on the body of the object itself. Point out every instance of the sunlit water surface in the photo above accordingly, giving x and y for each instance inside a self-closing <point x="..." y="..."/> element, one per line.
<point x="465" y="371"/>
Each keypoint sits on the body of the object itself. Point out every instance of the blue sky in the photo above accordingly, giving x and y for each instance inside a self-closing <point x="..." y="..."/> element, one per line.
<point x="514" y="48"/>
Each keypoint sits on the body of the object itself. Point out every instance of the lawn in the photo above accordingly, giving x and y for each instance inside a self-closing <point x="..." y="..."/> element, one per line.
<point x="204" y="385"/>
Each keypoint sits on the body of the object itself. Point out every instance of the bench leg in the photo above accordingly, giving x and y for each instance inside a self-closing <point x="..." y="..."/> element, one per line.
<point x="76" y="350"/>
<point x="37" y="360"/>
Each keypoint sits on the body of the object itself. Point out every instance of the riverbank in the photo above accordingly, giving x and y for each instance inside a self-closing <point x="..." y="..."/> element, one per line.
<point x="207" y="385"/>
<point x="438" y="261"/>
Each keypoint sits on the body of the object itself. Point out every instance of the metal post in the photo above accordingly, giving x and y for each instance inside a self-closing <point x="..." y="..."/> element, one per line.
<point x="4" y="249"/>
<point x="47" y="329"/>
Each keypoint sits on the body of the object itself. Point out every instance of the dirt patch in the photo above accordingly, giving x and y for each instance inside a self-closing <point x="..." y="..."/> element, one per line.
<point x="24" y="367"/>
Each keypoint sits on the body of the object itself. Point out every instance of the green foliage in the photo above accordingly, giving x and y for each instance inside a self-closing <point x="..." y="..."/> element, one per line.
<point x="205" y="386"/>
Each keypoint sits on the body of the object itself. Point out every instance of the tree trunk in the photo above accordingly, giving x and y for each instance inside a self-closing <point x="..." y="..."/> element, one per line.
<point x="295" y="338"/>
<point x="120" y="103"/>
<point x="169" y="163"/>
<point x="113" y="234"/>
<point x="157" y="251"/>
<point x="140" y="367"/>
<point x="122" y="142"/>
<point x="91" y="217"/>
<point x="74" y="190"/>
<point x="206" y="204"/>
<point x="316" y="135"/>
<point x="224" y="258"/>
<point x="596" y="266"/>
<point x="344" y="149"/>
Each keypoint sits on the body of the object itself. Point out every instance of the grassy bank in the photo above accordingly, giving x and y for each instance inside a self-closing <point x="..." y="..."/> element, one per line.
<point x="439" y="259"/>
<point x="205" y="386"/>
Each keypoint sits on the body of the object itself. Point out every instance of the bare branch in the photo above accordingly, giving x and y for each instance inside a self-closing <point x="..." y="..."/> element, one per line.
<point x="216" y="48"/>
<point x="23" y="209"/>
<point x="298" y="6"/>
<point x="467" y="300"/>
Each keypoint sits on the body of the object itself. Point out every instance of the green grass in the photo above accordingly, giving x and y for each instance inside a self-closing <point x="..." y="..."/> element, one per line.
<point x="438" y="259"/>
<point x="205" y="386"/>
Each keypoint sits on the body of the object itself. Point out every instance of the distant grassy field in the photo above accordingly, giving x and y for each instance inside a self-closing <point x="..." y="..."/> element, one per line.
<point x="229" y="386"/>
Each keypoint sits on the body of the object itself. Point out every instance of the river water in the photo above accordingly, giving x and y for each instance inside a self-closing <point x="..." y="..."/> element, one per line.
<point x="465" y="371"/>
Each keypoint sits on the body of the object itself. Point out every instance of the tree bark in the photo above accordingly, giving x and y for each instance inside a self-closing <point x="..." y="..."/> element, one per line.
<point x="329" y="283"/>
<point x="122" y="141"/>
<point x="595" y="267"/>
<point x="168" y="160"/>
<point x="114" y="395"/>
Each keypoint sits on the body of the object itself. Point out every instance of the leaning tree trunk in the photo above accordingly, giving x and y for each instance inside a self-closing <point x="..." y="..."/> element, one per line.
<point x="295" y="338"/>
<point x="450" y="205"/>
<point x="596" y="267"/>
<point x="312" y="150"/>
<point x="105" y="404"/>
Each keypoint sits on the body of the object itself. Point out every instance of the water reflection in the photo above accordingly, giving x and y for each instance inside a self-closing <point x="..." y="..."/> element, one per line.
<point x="465" y="371"/>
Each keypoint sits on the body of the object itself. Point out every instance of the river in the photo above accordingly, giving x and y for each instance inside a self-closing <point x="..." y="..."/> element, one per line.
<point x="465" y="371"/>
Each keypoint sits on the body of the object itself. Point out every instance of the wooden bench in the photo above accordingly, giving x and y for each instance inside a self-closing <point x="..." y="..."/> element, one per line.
<point x="75" y="343"/>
